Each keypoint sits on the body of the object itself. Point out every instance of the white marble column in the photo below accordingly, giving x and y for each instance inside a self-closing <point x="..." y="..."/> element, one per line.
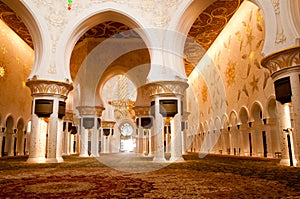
<point x="140" y="140"/>
<point x="50" y="91"/>
<point x="59" y="141"/>
<point x="151" y="142"/>
<point x="37" y="145"/>
<point x="184" y="141"/>
<point x="84" y="138"/>
<point x="286" y="126"/>
<point x="176" y="135"/>
<point x="94" y="139"/>
<point x="66" y="138"/>
<point x="53" y="134"/>
<point x="159" y="155"/>
<point x="295" y="87"/>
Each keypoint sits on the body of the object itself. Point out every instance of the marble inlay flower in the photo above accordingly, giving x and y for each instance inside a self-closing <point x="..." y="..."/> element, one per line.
<point x="2" y="71"/>
<point x="254" y="84"/>
<point x="204" y="93"/>
<point x="230" y="72"/>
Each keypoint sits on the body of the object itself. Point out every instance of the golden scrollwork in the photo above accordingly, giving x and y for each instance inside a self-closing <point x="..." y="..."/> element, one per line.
<point x="212" y="20"/>
<point x="90" y="110"/>
<point x="166" y="87"/>
<point x="109" y="29"/>
<point x="46" y="87"/>
<point x="205" y="30"/>
<point x="282" y="59"/>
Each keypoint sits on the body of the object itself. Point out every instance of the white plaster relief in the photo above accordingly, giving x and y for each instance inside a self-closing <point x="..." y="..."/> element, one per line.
<point x="280" y="35"/>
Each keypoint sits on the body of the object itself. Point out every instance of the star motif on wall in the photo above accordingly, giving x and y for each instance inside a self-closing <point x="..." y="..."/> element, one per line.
<point x="254" y="83"/>
<point x="3" y="71"/>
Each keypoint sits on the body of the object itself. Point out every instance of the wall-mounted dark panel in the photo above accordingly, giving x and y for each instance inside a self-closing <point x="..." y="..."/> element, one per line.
<point x="88" y="123"/>
<point x="283" y="90"/>
<point x="168" y="108"/>
<point x="43" y="108"/>
<point x="146" y="122"/>
<point x="98" y="123"/>
<point x="61" y="109"/>
<point x="73" y="130"/>
<point x="69" y="126"/>
<point x="106" y="132"/>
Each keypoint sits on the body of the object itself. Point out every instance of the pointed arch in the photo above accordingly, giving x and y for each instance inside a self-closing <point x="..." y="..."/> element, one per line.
<point x="91" y="17"/>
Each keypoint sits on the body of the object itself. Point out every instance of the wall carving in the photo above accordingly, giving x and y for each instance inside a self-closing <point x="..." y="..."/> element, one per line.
<point x="280" y="35"/>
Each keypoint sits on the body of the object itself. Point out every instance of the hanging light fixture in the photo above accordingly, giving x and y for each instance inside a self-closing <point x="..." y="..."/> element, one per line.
<point x="69" y="4"/>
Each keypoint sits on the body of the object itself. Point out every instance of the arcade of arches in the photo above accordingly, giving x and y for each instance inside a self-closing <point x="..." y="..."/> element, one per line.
<point x="150" y="78"/>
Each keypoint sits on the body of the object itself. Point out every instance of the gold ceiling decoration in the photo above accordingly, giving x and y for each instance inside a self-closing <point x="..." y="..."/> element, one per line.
<point x="207" y="27"/>
<point x="212" y="21"/>
<point x="15" y="23"/>
<point x="109" y="29"/>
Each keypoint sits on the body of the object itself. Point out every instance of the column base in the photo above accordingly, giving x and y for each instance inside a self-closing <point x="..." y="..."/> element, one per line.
<point x="286" y="162"/>
<point x="150" y="155"/>
<point x="52" y="160"/>
<point x="95" y="155"/>
<point x="84" y="155"/>
<point x="177" y="159"/>
<point x="60" y="159"/>
<point x="36" y="160"/>
<point x="160" y="159"/>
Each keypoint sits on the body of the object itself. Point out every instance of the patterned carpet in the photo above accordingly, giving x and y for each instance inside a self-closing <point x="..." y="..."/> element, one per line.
<point x="209" y="177"/>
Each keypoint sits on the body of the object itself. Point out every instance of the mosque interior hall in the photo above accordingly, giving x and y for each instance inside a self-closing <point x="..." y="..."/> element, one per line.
<point x="150" y="98"/>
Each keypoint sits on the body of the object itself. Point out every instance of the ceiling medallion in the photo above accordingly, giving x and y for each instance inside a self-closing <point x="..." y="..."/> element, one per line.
<point x="3" y="71"/>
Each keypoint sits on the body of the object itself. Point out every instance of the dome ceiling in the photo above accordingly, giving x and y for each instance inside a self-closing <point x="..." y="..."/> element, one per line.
<point x="204" y="31"/>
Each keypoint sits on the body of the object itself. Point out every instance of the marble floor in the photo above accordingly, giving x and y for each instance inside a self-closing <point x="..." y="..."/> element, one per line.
<point x="132" y="176"/>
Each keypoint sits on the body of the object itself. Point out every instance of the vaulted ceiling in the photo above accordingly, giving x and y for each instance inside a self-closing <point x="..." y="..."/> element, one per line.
<point x="204" y="31"/>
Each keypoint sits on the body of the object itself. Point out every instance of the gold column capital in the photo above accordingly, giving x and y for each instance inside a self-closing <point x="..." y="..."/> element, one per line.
<point x="49" y="88"/>
<point x="141" y="110"/>
<point x="90" y="110"/>
<point x="166" y="87"/>
<point x="282" y="59"/>
<point x="107" y="124"/>
<point x="68" y="116"/>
